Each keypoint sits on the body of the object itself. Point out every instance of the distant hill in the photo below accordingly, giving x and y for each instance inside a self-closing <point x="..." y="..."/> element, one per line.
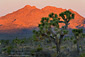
<point x="30" y="16"/>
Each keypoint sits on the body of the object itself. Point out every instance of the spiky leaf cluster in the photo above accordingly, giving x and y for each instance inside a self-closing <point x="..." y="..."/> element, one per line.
<point x="77" y="31"/>
<point x="65" y="31"/>
<point x="83" y="35"/>
<point x="67" y="15"/>
<point x="52" y="15"/>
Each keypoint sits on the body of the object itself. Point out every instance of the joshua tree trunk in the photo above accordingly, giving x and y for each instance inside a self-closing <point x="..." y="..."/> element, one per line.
<point x="59" y="43"/>
<point x="22" y="47"/>
<point x="57" y="48"/>
<point x="66" y="25"/>
<point x="78" y="50"/>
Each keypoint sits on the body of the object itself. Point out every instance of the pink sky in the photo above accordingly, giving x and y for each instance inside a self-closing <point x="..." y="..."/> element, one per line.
<point x="8" y="6"/>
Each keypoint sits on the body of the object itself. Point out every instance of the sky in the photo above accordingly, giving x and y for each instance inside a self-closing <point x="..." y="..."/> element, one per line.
<point x="8" y="6"/>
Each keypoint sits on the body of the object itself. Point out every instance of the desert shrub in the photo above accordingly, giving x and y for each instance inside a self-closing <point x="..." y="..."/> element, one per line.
<point x="62" y="47"/>
<point x="32" y="51"/>
<point x="39" y="49"/>
<point x="82" y="55"/>
<point x="53" y="47"/>
<point x="75" y="41"/>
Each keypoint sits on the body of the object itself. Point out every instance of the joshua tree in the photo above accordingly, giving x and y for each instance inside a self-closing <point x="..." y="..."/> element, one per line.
<point x="49" y="28"/>
<point x="7" y="49"/>
<point x="16" y="42"/>
<point x="22" y="42"/>
<point x="6" y="42"/>
<point x="78" y="33"/>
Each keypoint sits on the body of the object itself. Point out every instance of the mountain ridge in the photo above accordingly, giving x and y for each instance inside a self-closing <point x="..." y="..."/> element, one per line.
<point x="30" y="16"/>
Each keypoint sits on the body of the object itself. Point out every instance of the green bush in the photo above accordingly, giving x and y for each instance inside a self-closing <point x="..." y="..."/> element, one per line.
<point x="54" y="47"/>
<point x="75" y="41"/>
<point x="39" y="49"/>
<point x="32" y="51"/>
<point x="80" y="46"/>
<point x="82" y="55"/>
<point x="62" y="47"/>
